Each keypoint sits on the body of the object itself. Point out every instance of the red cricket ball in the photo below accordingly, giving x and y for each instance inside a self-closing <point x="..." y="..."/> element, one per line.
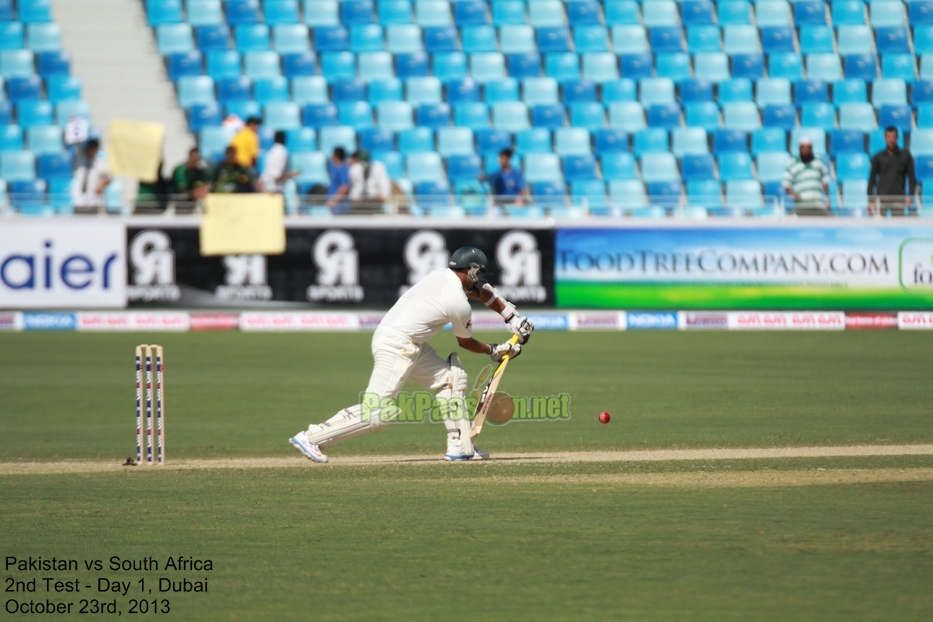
<point x="604" y="417"/>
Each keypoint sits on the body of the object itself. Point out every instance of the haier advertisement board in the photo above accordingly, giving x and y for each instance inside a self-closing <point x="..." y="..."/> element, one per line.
<point x="66" y="264"/>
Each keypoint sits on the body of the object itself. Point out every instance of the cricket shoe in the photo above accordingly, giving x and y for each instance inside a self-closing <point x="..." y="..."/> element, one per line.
<point x="455" y="452"/>
<point x="310" y="450"/>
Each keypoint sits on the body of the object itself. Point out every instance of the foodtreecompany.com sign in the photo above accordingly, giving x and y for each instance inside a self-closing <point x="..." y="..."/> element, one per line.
<point x="768" y="267"/>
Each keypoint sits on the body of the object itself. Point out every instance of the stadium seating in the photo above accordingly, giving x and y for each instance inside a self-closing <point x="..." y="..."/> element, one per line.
<point x="38" y="97"/>
<point x="671" y="98"/>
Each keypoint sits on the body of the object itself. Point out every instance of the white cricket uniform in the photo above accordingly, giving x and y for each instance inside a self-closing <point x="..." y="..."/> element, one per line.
<point x="400" y="353"/>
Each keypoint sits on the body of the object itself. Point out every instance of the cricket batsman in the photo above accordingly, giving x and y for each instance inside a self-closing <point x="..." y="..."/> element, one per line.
<point x="401" y="352"/>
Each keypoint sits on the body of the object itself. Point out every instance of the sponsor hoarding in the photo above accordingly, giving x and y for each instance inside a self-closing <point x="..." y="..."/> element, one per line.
<point x="336" y="267"/>
<point x="870" y="321"/>
<point x="38" y="320"/>
<point x="787" y="320"/>
<point x="822" y="266"/>
<point x="484" y="321"/>
<point x="542" y="321"/>
<point x="648" y="320"/>
<point x="176" y="321"/>
<point x="215" y="321"/>
<point x="62" y="263"/>
<point x="703" y="320"/>
<point x="11" y="321"/>
<point x="609" y="320"/>
<point x="912" y="320"/>
<point x="298" y="321"/>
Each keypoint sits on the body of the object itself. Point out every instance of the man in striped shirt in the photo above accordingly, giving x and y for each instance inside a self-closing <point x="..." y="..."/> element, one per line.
<point x="807" y="181"/>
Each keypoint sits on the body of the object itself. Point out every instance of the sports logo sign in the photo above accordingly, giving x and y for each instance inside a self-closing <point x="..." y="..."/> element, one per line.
<point x="338" y="264"/>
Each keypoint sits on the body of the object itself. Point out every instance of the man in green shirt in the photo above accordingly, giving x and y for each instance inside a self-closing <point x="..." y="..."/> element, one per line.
<point x="190" y="181"/>
<point x="807" y="181"/>
<point x="230" y="176"/>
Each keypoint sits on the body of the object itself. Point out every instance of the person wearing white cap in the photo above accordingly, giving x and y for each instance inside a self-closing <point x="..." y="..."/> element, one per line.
<point x="807" y="181"/>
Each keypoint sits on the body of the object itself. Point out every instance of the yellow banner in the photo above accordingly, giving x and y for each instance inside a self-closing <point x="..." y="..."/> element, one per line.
<point x="134" y="148"/>
<point x="243" y="224"/>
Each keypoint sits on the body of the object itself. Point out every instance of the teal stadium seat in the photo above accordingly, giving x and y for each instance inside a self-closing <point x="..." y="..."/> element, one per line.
<point x="433" y="12"/>
<point x="160" y="12"/>
<point x="309" y="90"/>
<point x="517" y="40"/>
<point x="455" y="141"/>
<point x="18" y="166"/>
<point x="688" y="141"/>
<point x="279" y="12"/>
<point x="733" y="12"/>
<point x="631" y="39"/>
<point x="337" y="136"/>
<point x="44" y="37"/>
<point x="772" y="13"/>
<point x="660" y="13"/>
<point x="628" y="116"/>
<point x="290" y="38"/>
<point x="533" y="140"/>
<point x="621" y="12"/>
<point x="322" y="13"/>
<point x="544" y="13"/>
<point x="204" y="12"/>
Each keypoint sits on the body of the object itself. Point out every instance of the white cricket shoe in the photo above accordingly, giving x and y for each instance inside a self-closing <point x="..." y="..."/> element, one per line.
<point x="455" y="452"/>
<point x="310" y="450"/>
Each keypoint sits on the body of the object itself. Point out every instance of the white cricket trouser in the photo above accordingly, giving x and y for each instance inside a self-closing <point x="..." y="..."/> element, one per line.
<point x="397" y="359"/>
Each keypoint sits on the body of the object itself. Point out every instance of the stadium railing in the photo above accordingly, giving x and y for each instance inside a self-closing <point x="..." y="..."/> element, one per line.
<point x="481" y="205"/>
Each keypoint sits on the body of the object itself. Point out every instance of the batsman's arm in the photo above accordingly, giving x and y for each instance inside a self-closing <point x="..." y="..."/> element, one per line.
<point x="471" y="344"/>
<point x="519" y="324"/>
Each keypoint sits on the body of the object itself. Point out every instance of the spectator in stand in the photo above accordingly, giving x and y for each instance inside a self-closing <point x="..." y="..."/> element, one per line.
<point x="246" y="143"/>
<point x="151" y="196"/>
<point x="891" y="171"/>
<point x="90" y="181"/>
<point x="275" y="166"/>
<point x="232" y="177"/>
<point x="507" y="184"/>
<point x="339" y="182"/>
<point x="190" y="181"/>
<point x="370" y="185"/>
<point x="806" y="179"/>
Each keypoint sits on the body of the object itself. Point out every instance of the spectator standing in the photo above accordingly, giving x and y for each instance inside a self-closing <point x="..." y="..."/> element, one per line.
<point x="339" y="182"/>
<point x="275" y="166"/>
<point x="90" y="181"/>
<point x="232" y="177"/>
<point x="190" y="181"/>
<point x="507" y="184"/>
<point x="892" y="169"/>
<point x="806" y="179"/>
<point x="246" y="143"/>
<point x="370" y="185"/>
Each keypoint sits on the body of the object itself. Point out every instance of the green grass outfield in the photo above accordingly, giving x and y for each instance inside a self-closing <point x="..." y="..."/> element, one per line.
<point x="794" y="539"/>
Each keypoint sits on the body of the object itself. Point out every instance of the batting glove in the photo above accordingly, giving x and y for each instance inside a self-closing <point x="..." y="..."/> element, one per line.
<point x="496" y="352"/>
<point x="521" y="326"/>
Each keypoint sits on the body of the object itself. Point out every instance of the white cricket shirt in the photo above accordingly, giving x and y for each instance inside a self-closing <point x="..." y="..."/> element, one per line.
<point x="276" y="162"/>
<point x="86" y="180"/>
<point x="424" y="309"/>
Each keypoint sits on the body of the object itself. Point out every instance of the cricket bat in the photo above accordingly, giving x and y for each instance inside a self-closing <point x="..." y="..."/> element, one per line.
<point x="479" y="418"/>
